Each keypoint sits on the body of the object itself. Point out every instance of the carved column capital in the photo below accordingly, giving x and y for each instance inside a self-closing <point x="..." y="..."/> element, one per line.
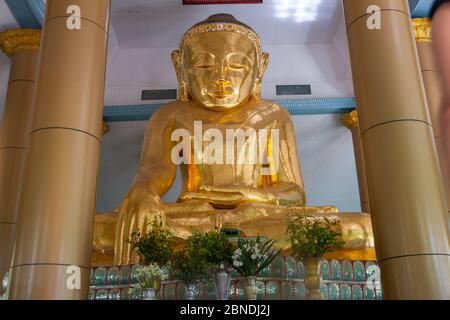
<point x="15" y="40"/>
<point x="422" y="29"/>
<point x="350" y="120"/>
<point x="105" y="128"/>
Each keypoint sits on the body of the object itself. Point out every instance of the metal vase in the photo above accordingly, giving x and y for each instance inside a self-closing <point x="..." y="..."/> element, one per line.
<point x="313" y="278"/>
<point x="190" y="291"/>
<point x="149" y="294"/>
<point x="251" y="289"/>
<point x="223" y="278"/>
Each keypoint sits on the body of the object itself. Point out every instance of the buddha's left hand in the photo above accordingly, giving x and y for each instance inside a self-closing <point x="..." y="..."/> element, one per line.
<point x="284" y="193"/>
<point x="245" y="194"/>
<point x="217" y="199"/>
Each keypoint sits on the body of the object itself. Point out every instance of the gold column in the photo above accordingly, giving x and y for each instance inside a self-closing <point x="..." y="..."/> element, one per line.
<point x="58" y="199"/>
<point x="350" y="120"/>
<point x="433" y="88"/>
<point x="408" y="205"/>
<point x="22" y="46"/>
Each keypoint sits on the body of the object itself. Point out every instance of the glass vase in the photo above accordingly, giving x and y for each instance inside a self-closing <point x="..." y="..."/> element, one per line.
<point x="190" y="291"/>
<point x="223" y="278"/>
<point x="149" y="294"/>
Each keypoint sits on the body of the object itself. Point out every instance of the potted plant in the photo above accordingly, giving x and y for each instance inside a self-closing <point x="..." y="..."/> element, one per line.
<point x="155" y="246"/>
<point x="190" y="266"/>
<point x="251" y="257"/>
<point x="216" y="250"/>
<point x="154" y="249"/>
<point x="311" y="237"/>
<point x="149" y="280"/>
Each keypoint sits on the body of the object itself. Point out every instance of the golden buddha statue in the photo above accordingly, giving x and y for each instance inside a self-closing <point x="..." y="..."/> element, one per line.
<point x="254" y="185"/>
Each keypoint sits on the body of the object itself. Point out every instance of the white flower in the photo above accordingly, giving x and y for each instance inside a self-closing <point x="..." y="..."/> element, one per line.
<point x="253" y="256"/>
<point x="148" y="275"/>
<point x="238" y="263"/>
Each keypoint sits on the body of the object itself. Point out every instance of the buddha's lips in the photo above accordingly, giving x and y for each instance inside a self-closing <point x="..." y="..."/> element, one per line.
<point x="221" y="94"/>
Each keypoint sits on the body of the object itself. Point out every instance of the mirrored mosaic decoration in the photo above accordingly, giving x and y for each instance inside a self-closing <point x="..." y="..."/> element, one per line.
<point x="283" y="280"/>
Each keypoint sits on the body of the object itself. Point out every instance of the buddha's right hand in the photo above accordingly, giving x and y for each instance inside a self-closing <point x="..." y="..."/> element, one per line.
<point x="136" y="212"/>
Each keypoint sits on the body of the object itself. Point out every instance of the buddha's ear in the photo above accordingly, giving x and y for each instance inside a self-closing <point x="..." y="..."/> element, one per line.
<point x="262" y="69"/>
<point x="264" y="62"/>
<point x="183" y="93"/>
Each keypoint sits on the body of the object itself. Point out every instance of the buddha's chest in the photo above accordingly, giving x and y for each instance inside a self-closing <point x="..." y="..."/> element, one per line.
<point x="245" y="118"/>
<point x="206" y="124"/>
<point x="219" y="154"/>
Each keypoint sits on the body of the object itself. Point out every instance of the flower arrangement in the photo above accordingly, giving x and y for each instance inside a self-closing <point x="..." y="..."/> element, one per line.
<point x="253" y="255"/>
<point x="155" y="246"/>
<point x="314" y="236"/>
<point x="148" y="277"/>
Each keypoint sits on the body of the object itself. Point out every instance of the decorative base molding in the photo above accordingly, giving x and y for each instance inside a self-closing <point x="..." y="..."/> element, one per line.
<point x="283" y="280"/>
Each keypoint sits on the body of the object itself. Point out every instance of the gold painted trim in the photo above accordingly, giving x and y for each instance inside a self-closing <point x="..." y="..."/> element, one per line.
<point x="221" y="26"/>
<point x="14" y="40"/>
<point x="350" y="120"/>
<point x="422" y="29"/>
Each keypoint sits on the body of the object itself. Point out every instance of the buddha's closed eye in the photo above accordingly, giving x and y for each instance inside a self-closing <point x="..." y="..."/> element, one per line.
<point x="205" y="66"/>
<point x="238" y="62"/>
<point x="237" y="66"/>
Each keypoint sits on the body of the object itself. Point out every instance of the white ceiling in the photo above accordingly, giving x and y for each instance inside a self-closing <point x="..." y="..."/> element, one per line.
<point x="306" y="40"/>
<point x="161" y="23"/>
<point x="7" y="20"/>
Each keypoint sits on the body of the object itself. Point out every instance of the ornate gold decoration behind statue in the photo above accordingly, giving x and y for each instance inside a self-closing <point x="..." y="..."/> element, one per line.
<point x="15" y="40"/>
<point x="422" y="29"/>
<point x="220" y="68"/>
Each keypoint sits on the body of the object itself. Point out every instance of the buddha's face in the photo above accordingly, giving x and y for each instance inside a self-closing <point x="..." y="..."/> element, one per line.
<point x="220" y="69"/>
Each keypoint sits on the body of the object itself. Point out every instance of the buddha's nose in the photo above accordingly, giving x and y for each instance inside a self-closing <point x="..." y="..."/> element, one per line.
<point x="221" y="84"/>
<point x="220" y="73"/>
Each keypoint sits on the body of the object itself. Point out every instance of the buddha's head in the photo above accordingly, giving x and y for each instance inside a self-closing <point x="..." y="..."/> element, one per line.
<point x="220" y="63"/>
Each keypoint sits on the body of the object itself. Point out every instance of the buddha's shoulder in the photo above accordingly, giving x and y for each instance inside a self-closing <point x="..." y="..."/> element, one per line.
<point x="267" y="107"/>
